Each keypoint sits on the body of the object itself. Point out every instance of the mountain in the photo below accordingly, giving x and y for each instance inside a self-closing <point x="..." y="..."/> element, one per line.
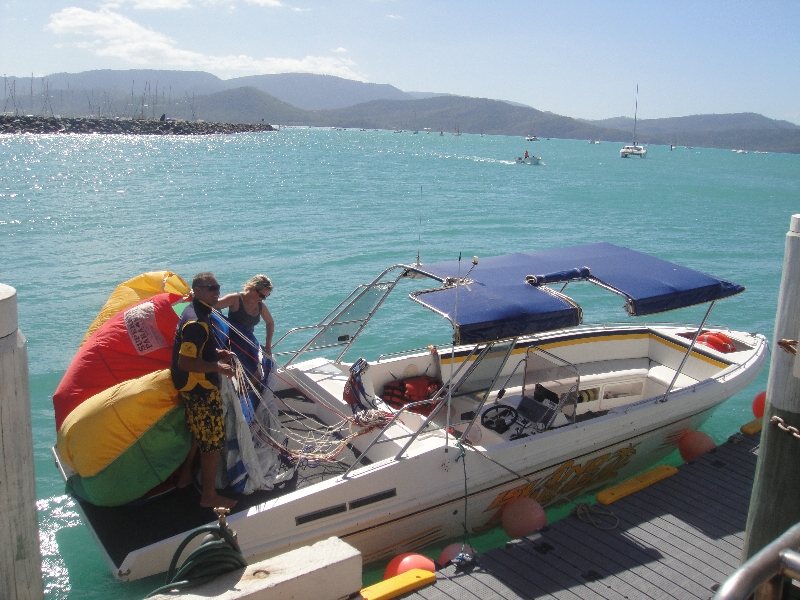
<point x="244" y="105"/>
<point x="467" y="115"/>
<point x="318" y="92"/>
<point x="323" y="100"/>
<point x="303" y="90"/>
<point x="729" y="122"/>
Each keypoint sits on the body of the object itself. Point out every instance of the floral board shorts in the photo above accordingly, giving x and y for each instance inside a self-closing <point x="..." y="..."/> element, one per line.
<point x="204" y="417"/>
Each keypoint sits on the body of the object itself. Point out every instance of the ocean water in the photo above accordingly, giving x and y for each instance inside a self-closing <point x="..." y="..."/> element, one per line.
<point x="321" y="211"/>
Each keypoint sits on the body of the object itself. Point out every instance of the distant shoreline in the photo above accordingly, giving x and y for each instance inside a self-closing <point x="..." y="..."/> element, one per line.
<point x="12" y="124"/>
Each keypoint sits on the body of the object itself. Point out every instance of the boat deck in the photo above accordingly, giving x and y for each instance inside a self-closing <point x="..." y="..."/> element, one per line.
<point x="123" y="529"/>
<point x="680" y="538"/>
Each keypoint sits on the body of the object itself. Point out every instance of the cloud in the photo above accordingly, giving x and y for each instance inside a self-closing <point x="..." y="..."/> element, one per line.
<point x="340" y="50"/>
<point x="272" y="3"/>
<point x="393" y="17"/>
<point x="112" y="35"/>
<point x="161" y="4"/>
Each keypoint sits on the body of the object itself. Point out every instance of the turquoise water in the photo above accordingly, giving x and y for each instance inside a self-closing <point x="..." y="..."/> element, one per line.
<point x="321" y="211"/>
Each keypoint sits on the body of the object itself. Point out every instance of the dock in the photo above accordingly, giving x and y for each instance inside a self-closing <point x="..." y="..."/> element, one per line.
<point x="679" y="538"/>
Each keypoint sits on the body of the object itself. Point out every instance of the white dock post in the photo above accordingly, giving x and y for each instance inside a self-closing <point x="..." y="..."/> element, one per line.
<point x="20" y="561"/>
<point x="773" y="503"/>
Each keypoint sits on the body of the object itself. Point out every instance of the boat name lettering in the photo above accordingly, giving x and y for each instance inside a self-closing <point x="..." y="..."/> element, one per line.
<point x="568" y="478"/>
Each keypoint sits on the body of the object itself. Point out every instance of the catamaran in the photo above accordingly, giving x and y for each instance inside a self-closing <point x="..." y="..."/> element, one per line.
<point x="387" y="452"/>
<point x="634" y="149"/>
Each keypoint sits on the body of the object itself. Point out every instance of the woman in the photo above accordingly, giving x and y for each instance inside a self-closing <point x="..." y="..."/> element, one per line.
<point x="245" y="310"/>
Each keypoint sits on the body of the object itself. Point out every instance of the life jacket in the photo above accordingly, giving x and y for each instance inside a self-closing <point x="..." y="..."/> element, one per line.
<point x="399" y="392"/>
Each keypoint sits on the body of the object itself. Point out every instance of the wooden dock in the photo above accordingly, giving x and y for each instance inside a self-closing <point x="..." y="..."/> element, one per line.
<point x="679" y="538"/>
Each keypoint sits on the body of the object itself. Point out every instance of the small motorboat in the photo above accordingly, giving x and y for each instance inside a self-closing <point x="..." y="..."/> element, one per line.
<point x="524" y="401"/>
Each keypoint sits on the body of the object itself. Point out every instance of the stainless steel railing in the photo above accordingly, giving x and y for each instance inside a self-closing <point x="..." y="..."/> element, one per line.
<point x="764" y="575"/>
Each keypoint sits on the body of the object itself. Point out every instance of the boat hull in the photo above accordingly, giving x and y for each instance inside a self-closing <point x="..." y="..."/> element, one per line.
<point x="401" y="504"/>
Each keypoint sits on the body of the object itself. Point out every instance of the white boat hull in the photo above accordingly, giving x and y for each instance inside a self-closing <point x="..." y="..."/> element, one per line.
<point x="396" y="505"/>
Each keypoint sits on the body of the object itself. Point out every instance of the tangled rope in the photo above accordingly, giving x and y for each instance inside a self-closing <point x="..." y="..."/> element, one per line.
<point x="290" y="432"/>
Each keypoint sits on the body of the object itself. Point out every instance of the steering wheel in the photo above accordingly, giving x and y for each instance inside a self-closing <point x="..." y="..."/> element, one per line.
<point x="499" y="418"/>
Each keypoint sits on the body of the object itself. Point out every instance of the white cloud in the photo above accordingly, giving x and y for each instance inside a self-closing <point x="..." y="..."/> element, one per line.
<point x="272" y="3"/>
<point x="340" y="50"/>
<point x="161" y="4"/>
<point x="113" y="35"/>
<point x="393" y="17"/>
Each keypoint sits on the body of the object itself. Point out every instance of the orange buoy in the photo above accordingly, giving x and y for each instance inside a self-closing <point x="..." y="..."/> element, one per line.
<point x="453" y="550"/>
<point x="407" y="561"/>
<point x="758" y="404"/>
<point x="523" y="516"/>
<point x="718" y="341"/>
<point x="693" y="444"/>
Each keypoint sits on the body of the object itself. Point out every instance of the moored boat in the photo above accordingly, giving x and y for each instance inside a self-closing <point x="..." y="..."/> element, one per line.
<point x="534" y="402"/>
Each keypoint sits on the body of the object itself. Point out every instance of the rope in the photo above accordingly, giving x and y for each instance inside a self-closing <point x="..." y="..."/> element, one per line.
<point x="463" y="558"/>
<point x="594" y="515"/>
<point x="218" y="554"/>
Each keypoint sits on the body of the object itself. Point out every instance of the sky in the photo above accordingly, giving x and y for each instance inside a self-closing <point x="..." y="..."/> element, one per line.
<point x="576" y="58"/>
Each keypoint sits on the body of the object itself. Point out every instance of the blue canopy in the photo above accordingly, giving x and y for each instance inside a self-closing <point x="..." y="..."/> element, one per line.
<point x="505" y="296"/>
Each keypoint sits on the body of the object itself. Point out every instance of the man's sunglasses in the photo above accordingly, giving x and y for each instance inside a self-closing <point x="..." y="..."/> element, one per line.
<point x="214" y="287"/>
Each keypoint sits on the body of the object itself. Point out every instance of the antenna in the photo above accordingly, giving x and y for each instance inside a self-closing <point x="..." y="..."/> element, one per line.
<point x="452" y="359"/>
<point x="635" y="113"/>
<point x="419" y="232"/>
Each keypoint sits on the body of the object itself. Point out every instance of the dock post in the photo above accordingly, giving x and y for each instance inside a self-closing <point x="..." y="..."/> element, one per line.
<point x="773" y="504"/>
<point x="20" y="560"/>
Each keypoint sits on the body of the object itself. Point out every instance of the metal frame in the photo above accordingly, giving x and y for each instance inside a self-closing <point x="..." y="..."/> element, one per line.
<point x="765" y="572"/>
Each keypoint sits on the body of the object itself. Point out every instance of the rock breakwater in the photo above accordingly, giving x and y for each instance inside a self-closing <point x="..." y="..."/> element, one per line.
<point x="12" y="124"/>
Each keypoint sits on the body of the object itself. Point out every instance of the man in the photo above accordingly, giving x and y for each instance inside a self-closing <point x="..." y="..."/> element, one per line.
<point x="197" y="364"/>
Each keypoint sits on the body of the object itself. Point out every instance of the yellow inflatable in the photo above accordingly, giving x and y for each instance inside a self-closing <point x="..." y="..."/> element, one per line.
<point x="125" y="440"/>
<point x="139" y="288"/>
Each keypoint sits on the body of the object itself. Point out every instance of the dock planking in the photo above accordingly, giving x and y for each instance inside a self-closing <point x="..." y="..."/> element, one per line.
<point x="679" y="538"/>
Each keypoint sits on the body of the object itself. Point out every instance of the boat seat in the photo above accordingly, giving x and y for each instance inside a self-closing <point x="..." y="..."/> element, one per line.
<point x="663" y="375"/>
<point x="609" y="370"/>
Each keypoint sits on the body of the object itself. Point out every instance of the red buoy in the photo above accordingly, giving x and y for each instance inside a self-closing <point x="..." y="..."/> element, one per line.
<point x="759" y="403"/>
<point x="693" y="444"/>
<point x="523" y="516"/>
<point x="407" y="561"/>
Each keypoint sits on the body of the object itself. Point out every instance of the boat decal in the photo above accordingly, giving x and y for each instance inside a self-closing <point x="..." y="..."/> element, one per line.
<point x="320" y="514"/>
<point x="385" y="495"/>
<point x="568" y="480"/>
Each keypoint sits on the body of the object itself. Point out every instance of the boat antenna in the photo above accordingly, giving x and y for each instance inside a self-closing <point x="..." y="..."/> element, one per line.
<point x="419" y="231"/>
<point x="635" y="113"/>
<point x="452" y="360"/>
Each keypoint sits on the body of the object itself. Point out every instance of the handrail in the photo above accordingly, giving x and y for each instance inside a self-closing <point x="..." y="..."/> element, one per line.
<point x="386" y="427"/>
<point x="764" y="572"/>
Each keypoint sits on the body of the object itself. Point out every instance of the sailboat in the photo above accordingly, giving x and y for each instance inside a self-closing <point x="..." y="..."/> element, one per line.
<point x="634" y="149"/>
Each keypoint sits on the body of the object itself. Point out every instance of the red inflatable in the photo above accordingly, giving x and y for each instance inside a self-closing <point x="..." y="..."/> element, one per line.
<point x="134" y="342"/>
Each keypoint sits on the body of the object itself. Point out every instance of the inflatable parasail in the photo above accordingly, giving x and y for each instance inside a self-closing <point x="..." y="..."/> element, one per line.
<point x="121" y="426"/>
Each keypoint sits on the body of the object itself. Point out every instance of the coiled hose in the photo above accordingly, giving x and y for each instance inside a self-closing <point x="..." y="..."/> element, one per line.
<point x="219" y="553"/>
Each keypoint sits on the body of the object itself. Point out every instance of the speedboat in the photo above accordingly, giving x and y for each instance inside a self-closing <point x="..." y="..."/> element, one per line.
<point x="531" y="138"/>
<point x="633" y="150"/>
<point x="386" y="452"/>
<point x="529" y="160"/>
